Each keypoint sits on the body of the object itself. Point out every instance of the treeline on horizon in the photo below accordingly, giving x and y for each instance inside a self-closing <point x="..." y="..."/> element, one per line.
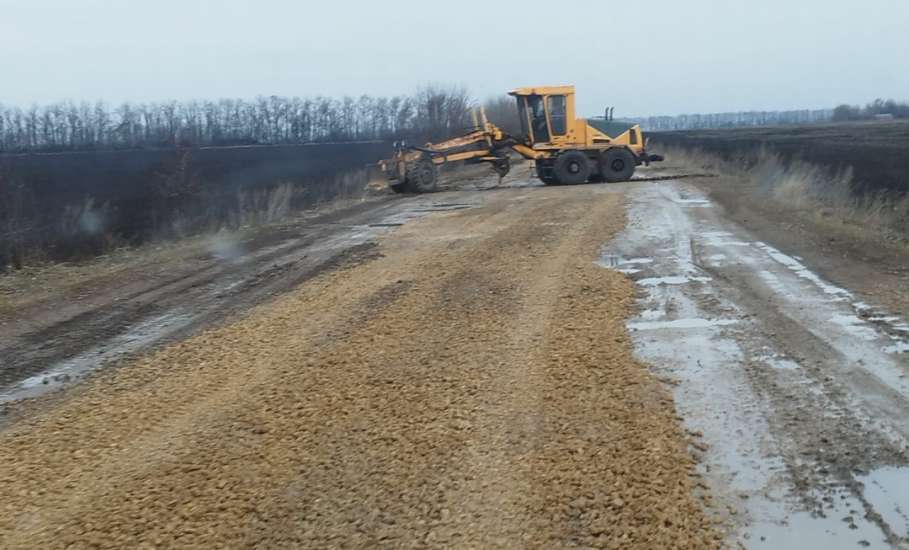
<point x="842" y="113"/>
<point x="878" y="107"/>
<point x="432" y="112"/>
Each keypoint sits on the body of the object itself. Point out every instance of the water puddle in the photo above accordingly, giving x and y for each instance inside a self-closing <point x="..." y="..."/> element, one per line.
<point x="680" y="324"/>
<point x="689" y="199"/>
<point x="899" y="347"/>
<point x="779" y="362"/>
<point x="803" y="272"/>
<point x="70" y="370"/>
<point x="613" y="260"/>
<point x="887" y="490"/>
<point x="651" y="314"/>
<point x="720" y="239"/>
<point x="866" y="323"/>
<point x="855" y="327"/>
<point x="443" y="207"/>
<point x="803" y="530"/>
<point x="889" y="319"/>
<point x="731" y="373"/>
<point x="628" y="266"/>
<point x="703" y="203"/>
<point x="672" y="280"/>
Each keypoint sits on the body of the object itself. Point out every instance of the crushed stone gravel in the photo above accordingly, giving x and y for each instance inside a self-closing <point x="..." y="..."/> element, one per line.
<point x="471" y="386"/>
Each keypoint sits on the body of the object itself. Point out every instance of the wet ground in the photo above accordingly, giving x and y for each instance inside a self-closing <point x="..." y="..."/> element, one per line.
<point x="796" y="389"/>
<point x="459" y="346"/>
<point x="467" y="383"/>
<point x="52" y="345"/>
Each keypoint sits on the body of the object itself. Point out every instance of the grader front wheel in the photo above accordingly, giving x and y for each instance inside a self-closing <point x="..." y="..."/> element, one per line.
<point x="571" y="168"/>
<point x="422" y="176"/>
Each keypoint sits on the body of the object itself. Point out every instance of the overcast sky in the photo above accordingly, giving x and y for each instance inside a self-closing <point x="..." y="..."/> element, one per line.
<point x="645" y="57"/>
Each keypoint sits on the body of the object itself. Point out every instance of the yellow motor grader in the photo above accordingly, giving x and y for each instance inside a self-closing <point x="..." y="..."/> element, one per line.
<point x="565" y="149"/>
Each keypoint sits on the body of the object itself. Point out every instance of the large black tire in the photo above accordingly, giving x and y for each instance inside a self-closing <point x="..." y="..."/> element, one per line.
<point x="571" y="168"/>
<point x="544" y="172"/>
<point x="422" y="176"/>
<point x="617" y="165"/>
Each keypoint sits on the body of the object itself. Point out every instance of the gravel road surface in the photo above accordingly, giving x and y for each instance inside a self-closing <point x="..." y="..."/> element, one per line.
<point x="465" y="380"/>
<point x="536" y="367"/>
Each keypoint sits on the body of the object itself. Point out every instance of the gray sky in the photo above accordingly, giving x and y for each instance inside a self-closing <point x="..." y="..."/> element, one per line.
<point x="650" y="57"/>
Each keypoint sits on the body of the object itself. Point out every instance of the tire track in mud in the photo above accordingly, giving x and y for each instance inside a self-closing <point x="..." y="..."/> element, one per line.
<point x="799" y="399"/>
<point x="67" y="338"/>
<point x="471" y="386"/>
<point x="825" y="437"/>
<point x="80" y="330"/>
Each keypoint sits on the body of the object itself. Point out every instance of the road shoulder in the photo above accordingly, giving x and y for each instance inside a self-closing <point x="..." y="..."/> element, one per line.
<point x="846" y="255"/>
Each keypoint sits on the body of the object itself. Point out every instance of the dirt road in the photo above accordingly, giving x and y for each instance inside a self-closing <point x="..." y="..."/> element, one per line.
<point x="798" y="385"/>
<point x="466" y="383"/>
<point x="71" y="320"/>
<point x="598" y="365"/>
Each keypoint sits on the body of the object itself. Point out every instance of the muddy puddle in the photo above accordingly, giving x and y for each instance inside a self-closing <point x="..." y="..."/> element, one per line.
<point x="70" y="371"/>
<point x="242" y="275"/>
<point x="797" y="390"/>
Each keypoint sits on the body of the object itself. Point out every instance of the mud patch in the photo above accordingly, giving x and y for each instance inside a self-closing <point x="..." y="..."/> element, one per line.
<point x="162" y="303"/>
<point x="793" y="388"/>
<point x="71" y="370"/>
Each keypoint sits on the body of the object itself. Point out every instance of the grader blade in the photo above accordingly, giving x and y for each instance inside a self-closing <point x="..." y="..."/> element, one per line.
<point x="376" y="178"/>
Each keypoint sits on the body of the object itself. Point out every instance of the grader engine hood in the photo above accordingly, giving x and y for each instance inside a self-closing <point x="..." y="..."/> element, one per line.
<point x="611" y="128"/>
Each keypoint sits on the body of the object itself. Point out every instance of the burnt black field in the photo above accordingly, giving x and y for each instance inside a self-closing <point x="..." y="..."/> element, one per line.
<point x="60" y="206"/>
<point x="877" y="152"/>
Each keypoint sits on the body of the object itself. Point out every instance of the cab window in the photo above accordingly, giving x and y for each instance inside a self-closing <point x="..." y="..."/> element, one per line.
<point x="557" y="114"/>
<point x="522" y="115"/>
<point x="538" y="119"/>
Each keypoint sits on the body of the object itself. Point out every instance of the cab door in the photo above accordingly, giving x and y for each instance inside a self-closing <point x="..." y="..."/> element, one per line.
<point x="557" y="109"/>
<point x="539" y="121"/>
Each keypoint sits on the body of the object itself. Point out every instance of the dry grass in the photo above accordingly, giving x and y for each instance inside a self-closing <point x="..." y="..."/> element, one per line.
<point x="812" y="192"/>
<point x="44" y="280"/>
<point x="89" y="227"/>
<point x="40" y="279"/>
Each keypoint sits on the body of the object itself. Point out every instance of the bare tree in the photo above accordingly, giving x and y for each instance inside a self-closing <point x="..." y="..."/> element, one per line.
<point x="433" y="112"/>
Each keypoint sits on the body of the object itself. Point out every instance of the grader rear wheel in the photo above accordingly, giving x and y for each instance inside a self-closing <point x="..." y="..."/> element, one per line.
<point x="617" y="165"/>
